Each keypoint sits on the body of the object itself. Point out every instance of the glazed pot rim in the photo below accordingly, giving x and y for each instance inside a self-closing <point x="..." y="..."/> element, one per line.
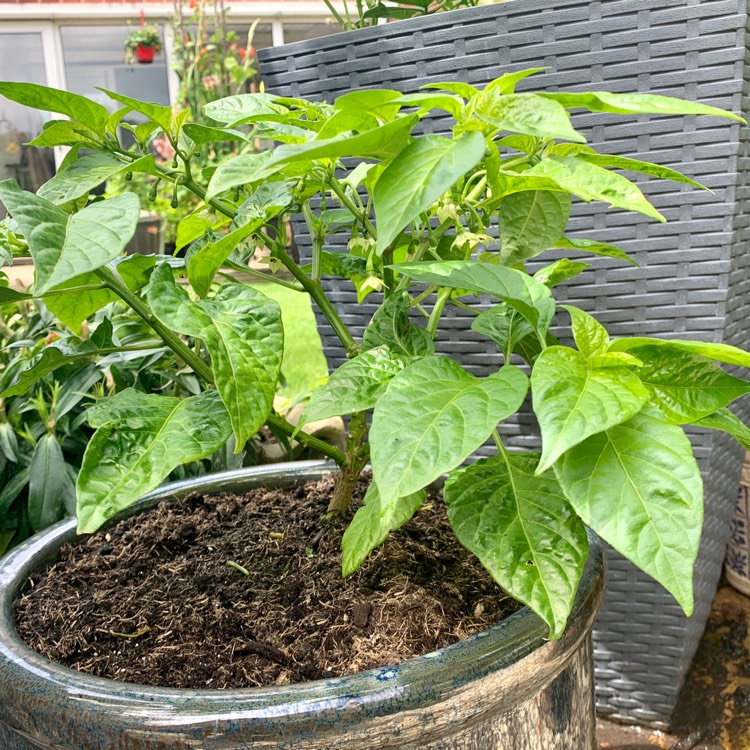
<point x="448" y="669"/>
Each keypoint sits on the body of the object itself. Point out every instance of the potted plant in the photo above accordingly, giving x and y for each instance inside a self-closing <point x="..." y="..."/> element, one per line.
<point x="414" y="212"/>
<point x="144" y="43"/>
<point x="682" y="50"/>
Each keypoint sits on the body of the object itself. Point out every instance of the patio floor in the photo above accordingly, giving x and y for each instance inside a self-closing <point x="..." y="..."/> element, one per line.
<point x="714" y="708"/>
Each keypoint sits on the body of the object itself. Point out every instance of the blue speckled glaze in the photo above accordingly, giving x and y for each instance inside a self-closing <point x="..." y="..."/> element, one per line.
<point x="506" y="687"/>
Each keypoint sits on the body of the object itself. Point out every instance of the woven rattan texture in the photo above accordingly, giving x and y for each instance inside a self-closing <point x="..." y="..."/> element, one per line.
<point x="693" y="280"/>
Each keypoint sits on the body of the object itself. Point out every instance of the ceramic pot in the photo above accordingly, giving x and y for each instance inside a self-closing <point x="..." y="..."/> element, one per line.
<point x="506" y="688"/>
<point x="145" y="55"/>
<point x="737" y="564"/>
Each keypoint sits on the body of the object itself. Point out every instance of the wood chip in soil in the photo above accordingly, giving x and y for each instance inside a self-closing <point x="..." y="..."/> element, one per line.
<point x="164" y="599"/>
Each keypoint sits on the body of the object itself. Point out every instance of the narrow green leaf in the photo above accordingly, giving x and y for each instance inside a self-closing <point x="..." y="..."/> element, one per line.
<point x="242" y="331"/>
<point x="46" y="483"/>
<point x="202" y="134"/>
<point x="635" y="104"/>
<point x="530" y="222"/>
<point x="560" y="271"/>
<point x="140" y="438"/>
<point x="65" y="133"/>
<point x="417" y="177"/>
<point x="686" y="386"/>
<point x="730" y="355"/>
<point x="593" y="247"/>
<point x="52" y="358"/>
<point x="450" y="104"/>
<point x="638" y="487"/>
<point x="13" y="489"/>
<point x="635" y="165"/>
<point x="11" y="295"/>
<point x="527" y="114"/>
<point x="523" y="530"/>
<point x="532" y="299"/>
<point x="592" y="183"/>
<point x="372" y="523"/>
<point x="429" y="400"/>
<point x="506" y="83"/>
<point x="90" y="171"/>
<point x="355" y="385"/>
<point x="48" y="99"/>
<point x="724" y="420"/>
<point x="160" y="114"/>
<point x="464" y="90"/>
<point x="65" y="246"/>
<point x="203" y="265"/>
<point x="390" y="327"/>
<point x="573" y="402"/>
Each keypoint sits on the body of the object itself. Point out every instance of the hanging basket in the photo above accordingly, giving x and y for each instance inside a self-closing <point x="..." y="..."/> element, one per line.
<point x="145" y="55"/>
<point x="737" y="564"/>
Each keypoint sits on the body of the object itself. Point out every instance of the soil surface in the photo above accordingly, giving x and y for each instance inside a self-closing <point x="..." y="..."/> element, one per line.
<point x="234" y="591"/>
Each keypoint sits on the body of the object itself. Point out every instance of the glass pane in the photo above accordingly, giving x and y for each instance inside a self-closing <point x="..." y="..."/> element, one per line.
<point x="22" y="59"/>
<point x="95" y="56"/>
<point x="296" y="32"/>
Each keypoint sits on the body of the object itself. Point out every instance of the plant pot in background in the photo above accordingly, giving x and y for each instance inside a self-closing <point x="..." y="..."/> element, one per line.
<point x="737" y="563"/>
<point x="149" y="236"/>
<point x="643" y="642"/>
<point x="145" y="55"/>
<point x="507" y="687"/>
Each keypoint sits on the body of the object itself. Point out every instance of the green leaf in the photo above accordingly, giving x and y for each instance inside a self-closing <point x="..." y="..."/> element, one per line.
<point x="523" y="530"/>
<point x="593" y="247"/>
<point x="590" y="335"/>
<point x="90" y="171"/>
<point x="160" y="114"/>
<point x="724" y="420"/>
<point x="11" y="295"/>
<point x="635" y="165"/>
<point x="417" y="177"/>
<point x="72" y="309"/>
<point x="503" y="325"/>
<point x="52" y="358"/>
<point x="451" y="104"/>
<point x="532" y="299"/>
<point x="613" y="359"/>
<point x="372" y="523"/>
<point x="233" y="110"/>
<point x="432" y="416"/>
<point x="13" y="489"/>
<point x="46" y="483"/>
<point x="528" y="114"/>
<point x="559" y="271"/>
<point x="530" y="223"/>
<point x="203" y="265"/>
<point x="390" y="327"/>
<point x="572" y="402"/>
<point x="53" y="100"/>
<point x="65" y="133"/>
<point x="638" y="487"/>
<point x="355" y="385"/>
<point x="65" y="246"/>
<point x="464" y="90"/>
<point x="383" y="142"/>
<point x="140" y="438"/>
<point x="191" y="228"/>
<point x="202" y="134"/>
<point x="377" y="102"/>
<point x="592" y="183"/>
<point x="242" y="331"/>
<point x="506" y="83"/>
<point x="686" y="386"/>
<point x="730" y="355"/>
<point x="635" y="104"/>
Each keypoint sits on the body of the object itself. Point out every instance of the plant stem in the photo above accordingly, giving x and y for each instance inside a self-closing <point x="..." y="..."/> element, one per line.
<point x="199" y="366"/>
<point x="356" y="458"/>
<point x="346" y="201"/>
<point x="72" y="290"/>
<point x="316" y="239"/>
<point x="272" y="278"/>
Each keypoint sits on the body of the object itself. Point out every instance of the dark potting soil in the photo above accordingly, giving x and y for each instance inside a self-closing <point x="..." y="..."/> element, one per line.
<point x="159" y="599"/>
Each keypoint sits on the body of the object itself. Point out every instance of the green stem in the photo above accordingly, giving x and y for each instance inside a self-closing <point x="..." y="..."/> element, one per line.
<point x="334" y="12"/>
<point x="443" y="297"/>
<point x="317" y="241"/>
<point x="426" y="293"/>
<point x="346" y="201"/>
<point x="72" y="290"/>
<point x="355" y="460"/>
<point x="199" y="366"/>
<point x="262" y="275"/>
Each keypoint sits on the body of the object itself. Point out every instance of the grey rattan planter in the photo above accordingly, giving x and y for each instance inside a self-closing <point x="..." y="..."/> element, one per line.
<point x="505" y="688"/>
<point x="694" y="279"/>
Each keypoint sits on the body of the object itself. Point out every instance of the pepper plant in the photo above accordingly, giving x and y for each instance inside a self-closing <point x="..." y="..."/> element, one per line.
<point x="419" y="215"/>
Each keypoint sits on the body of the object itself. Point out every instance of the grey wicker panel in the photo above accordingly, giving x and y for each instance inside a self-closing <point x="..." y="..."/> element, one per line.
<point x="694" y="274"/>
